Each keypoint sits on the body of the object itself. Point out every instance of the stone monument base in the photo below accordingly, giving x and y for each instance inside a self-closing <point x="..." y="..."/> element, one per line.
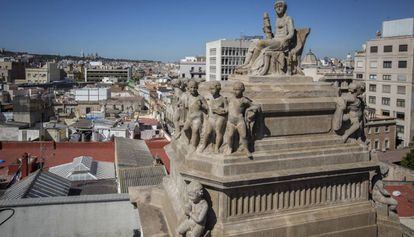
<point x="301" y="180"/>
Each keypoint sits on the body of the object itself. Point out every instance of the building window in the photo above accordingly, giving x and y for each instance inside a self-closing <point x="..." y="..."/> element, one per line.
<point x="403" y="48"/>
<point x="385" y="101"/>
<point x="386" y="77"/>
<point x="401" y="90"/>
<point x="377" y="130"/>
<point x="213" y="51"/>
<point x="376" y="145"/>
<point x="400" y="103"/>
<point x="386" y="113"/>
<point x="400" y="129"/>
<point x="369" y="144"/>
<point x="373" y="64"/>
<point x="373" y="77"/>
<point x="360" y="64"/>
<point x="369" y="130"/>
<point x="372" y="87"/>
<point x="402" y="78"/>
<point x="387" y="144"/>
<point x="400" y="115"/>
<point x="387" y="128"/>
<point x="359" y="76"/>
<point x="372" y="99"/>
<point x="387" y="48"/>
<point x="386" y="89"/>
<point x="374" y="49"/>
<point x="387" y="64"/>
<point x="402" y="64"/>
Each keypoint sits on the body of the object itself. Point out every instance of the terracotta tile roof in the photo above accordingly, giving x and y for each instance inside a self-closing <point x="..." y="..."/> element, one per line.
<point x="156" y="147"/>
<point x="148" y="121"/>
<point x="53" y="154"/>
<point x="405" y="200"/>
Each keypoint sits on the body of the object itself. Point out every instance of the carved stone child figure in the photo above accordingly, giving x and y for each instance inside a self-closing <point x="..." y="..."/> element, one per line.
<point x="238" y="107"/>
<point x="195" y="105"/>
<point x="196" y="212"/>
<point x="217" y="111"/>
<point x="354" y="103"/>
<point x="178" y="113"/>
<point x="379" y="194"/>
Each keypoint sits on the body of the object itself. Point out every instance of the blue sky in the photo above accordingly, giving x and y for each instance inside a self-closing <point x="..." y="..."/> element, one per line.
<point x="168" y="30"/>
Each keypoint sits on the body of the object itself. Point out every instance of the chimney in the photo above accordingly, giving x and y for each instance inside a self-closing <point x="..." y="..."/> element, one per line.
<point x="24" y="161"/>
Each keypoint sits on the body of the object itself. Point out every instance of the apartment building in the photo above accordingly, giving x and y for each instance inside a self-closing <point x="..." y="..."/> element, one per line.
<point x="98" y="74"/>
<point x="223" y="56"/>
<point x="387" y="66"/>
<point x="10" y="71"/>
<point x="192" y="67"/>
<point x="48" y="73"/>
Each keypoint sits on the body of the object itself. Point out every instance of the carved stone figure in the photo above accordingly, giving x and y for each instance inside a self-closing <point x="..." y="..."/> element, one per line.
<point x="350" y="107"/>
<point x="238" y="107"/>
<point x="280" y="52"/>
<point x="196" y="212"/>
<point x="379" y="194"/>
<point x="217" y="111"/>
<point x="178" y="110"/>
<point x="195" y="106"/>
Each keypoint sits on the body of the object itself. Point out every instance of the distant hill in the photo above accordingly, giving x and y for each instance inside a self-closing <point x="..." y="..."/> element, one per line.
<point x="49" y="57"/>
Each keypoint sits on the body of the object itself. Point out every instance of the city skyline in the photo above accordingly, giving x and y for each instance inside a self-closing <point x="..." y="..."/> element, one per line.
<point x="168" y="31"/>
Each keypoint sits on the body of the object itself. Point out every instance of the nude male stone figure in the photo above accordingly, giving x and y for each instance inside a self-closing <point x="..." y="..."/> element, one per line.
<point x="217" y="111"/>
<point x="196" y="105"/>
<point x="236" y="123"/>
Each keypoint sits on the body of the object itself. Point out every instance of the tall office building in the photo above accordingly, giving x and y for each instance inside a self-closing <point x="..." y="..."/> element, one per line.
<point x="387" y="66"/>
<point x="223" y="56"/>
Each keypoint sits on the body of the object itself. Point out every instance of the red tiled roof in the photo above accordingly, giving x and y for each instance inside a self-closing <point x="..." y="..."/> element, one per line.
<point x="405" y="201"/>
<point x="156" y="147"/>
<point x="57" y="153"/>
<point x="148" y="121"/>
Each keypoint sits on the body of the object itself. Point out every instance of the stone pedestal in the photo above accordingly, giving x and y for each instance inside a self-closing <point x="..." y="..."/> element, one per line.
<point x="301" y="181"/>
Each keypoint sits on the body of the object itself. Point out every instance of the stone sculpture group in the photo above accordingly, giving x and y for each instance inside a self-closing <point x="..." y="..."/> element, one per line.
<point x="217" y="121"/>
<point x="213" y="120"/>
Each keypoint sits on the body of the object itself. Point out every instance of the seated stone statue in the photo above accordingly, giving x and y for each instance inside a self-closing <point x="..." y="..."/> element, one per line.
<point x="216" y="121"/>
<point x="241" y="111"/>
<point x="279" y="53"/>
<point x="196" y="212"/>
<point x="379" y="194"/>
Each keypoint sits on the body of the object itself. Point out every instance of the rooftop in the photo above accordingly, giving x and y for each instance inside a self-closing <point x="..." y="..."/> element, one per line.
<point x="132" y="153"/>
<point x="38" y="184"/>
<point x="85" y="168"/>
<point x="57" y="153"/>
<point x="77" y="216"/>
<point x="405" y="200"/>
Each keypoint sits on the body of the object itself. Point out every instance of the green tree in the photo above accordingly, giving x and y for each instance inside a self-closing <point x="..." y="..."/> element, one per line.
<point x="408" y="160"/>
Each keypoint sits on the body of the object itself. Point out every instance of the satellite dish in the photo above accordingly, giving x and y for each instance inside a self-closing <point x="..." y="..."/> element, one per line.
<point x="396" y="193"/>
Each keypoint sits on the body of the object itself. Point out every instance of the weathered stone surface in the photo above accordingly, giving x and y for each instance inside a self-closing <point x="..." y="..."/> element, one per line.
<point x="300" y="179"/>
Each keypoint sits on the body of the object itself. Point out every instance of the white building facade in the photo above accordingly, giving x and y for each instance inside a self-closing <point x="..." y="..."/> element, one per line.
<point x="387" y="67"/>
<point x="223" y="56"/>
<point x="192" y="68"/>
<point x="87" y="94"/>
